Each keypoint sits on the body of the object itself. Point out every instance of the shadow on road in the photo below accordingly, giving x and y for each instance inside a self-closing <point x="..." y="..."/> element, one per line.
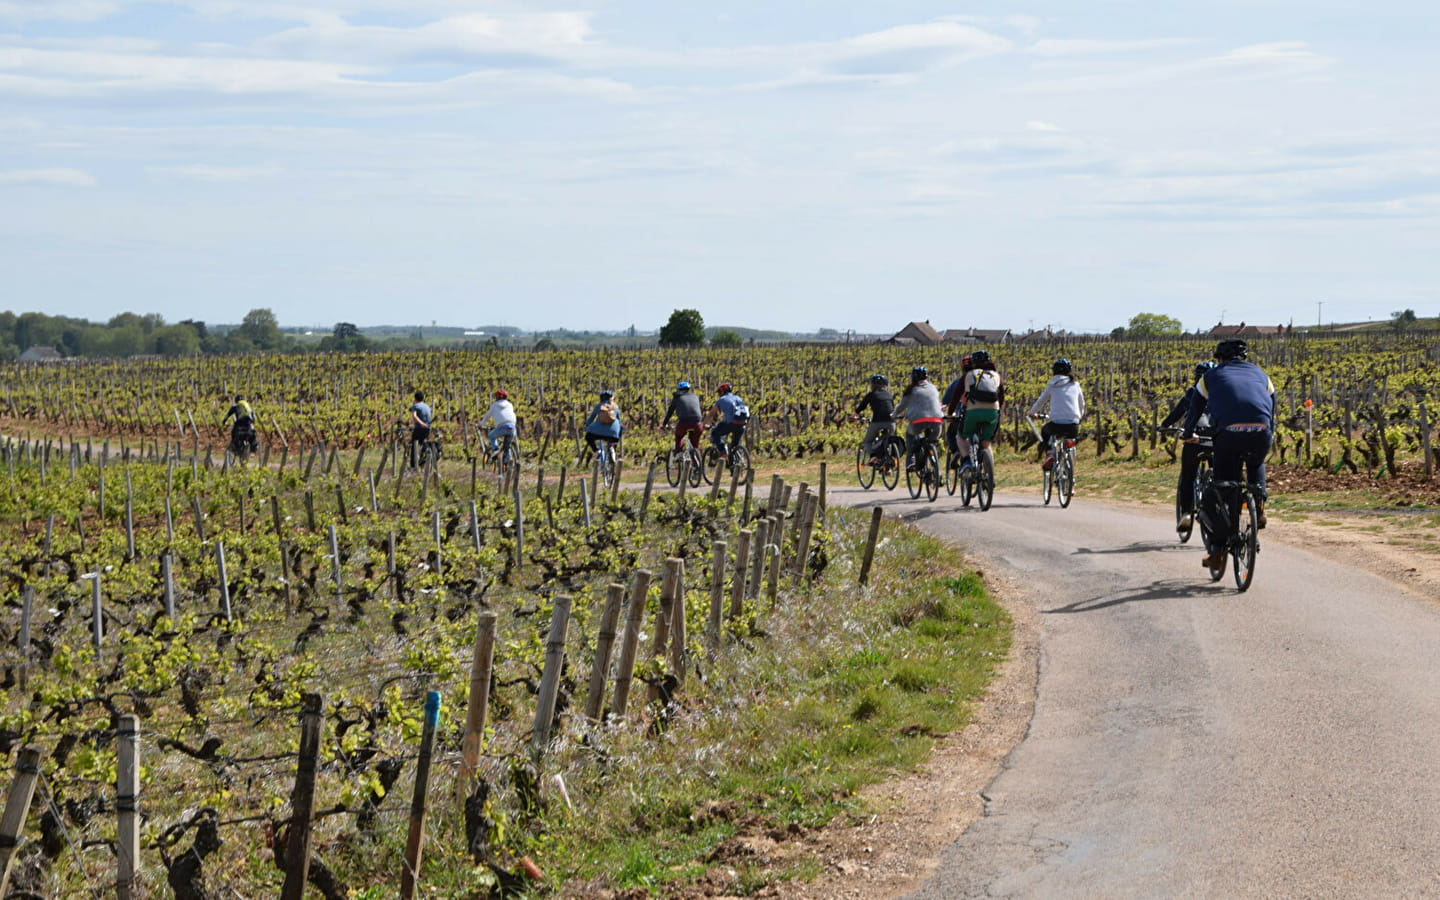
<point x="1138" y="547"/>
<point x="1173" y="589"/>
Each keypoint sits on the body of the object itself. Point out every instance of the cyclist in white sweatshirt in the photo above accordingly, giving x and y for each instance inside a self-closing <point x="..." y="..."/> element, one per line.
<point x="1067" y="408"/>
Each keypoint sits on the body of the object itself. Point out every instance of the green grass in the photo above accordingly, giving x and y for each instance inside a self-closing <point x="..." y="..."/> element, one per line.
<point x="849" y="687"/>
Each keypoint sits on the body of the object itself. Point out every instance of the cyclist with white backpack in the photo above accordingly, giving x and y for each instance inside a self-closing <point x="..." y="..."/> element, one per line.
<point x="982" y="393"/>
<point x="731" y="415"/>
<point x="603" y="422"/>
<point x="1066" y="403"/>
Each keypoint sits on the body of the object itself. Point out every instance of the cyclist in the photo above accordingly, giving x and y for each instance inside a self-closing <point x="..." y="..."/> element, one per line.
<point x="1066" y="403"/>
<point x="950" y="400"/>
<point x="732" y="415"/>
<point x="1241" y="401"/>
<point x="603" y="423"/>
<point x="420" y="418"/>
<point x="920" y="405"/>
<point x="243" y="431"/>
<point x="685" y="409"/>
<point x="982" y="393"/>
<point x="1189" y="453"/>
<point x="881" y="404"/>
<point x="502" y="414"/>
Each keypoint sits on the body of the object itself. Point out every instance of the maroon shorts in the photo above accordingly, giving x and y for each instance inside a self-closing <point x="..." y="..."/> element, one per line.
<point x="692" y="429"/>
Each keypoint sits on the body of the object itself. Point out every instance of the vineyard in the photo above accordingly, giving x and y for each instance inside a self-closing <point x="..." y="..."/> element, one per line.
<point x="210" y="628"/>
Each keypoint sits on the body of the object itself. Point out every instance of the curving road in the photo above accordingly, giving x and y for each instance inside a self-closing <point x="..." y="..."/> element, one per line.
<point x="1191" y="741"/>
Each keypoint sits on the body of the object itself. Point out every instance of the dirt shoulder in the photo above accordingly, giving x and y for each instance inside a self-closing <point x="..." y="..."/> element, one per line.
<point x="918" y="815"/>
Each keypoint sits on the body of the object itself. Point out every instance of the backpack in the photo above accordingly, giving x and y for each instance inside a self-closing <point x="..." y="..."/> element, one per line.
<point x="606" y="414"/>
<point x="986" y="388"/>
<point x="742" y="412"/>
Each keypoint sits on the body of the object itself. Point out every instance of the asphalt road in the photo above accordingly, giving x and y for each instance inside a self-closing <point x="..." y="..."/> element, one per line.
<point x="1192" y="741"/>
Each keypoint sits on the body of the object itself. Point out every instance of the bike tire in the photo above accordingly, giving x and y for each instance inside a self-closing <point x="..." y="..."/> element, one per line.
<point x="967" y="484"/>
<point x="913" y="482"/>
<point x="696" y="469"/>
<point x="931" y="475"/>
<point x="1047" y="484"/>
<point x="1065" y="477"/>
<point x="890" y="466"/>
<point x="1246" y="544"/>
<point x="864" y="472"/>
<point x="952" y="474"/>
<point x="707" y="465"/>
<point x="985" y="482"/>
<point x="674" y="464"/>
<point x="739" y="458"/>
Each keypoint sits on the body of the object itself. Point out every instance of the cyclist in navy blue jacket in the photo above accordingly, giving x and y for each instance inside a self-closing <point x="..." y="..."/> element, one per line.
<point x="1241" y="401"/>
<point x="1189" y="453"/>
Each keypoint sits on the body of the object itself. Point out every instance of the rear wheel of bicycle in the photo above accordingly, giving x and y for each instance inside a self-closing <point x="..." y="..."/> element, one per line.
<point x="1246" y="544"/>
<point x="952" y="473"/>
<point x="1065" y="476"/>
<point x="695" y="469"/>
<point x="967" y="484"/>
<point x="707" y="466"/>
<point x="913" y="481"/>
<point x="674" y="462"/>
<point x="985" y="481"/>
<point x="932" y="474"/>
<point x="864" y="472"/>
<point x="889" y="465"/>
<point x="739" y="458"/>
<point x="1047" y="484"/>
<point x="605" y="465"/>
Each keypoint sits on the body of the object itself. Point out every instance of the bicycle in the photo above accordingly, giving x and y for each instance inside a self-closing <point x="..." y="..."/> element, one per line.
<point x="428" y="452"/>
<point x="977" y="480"/>
<point x="1202" y="481"/>
<point x="737" y="457"/>
<point x="1242" y="531"/>
<point x="243" y="443"/>
<point x="505" y="455"/>
<point x="604" y="461"/>
<point x="885" y="460"/>
<point x="926" y="476"/>
<point x="684" y="461"/>
<point x="1059" y="479"/>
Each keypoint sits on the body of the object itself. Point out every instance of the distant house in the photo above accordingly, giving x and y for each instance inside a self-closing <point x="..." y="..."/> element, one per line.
<point x="916" y="333"/>
<point x="41" y="354"/>
<point x="974" y="335"/>
<point x="1246" y="331"/>
<point x="1040" y="336"/>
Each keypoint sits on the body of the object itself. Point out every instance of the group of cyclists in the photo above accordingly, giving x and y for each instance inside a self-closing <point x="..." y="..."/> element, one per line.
<point x="1231" y="406"/>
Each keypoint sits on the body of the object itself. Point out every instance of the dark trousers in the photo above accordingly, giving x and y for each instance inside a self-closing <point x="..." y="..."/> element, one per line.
<point x="1052" y="430"/>
<point x="1189" y="466"/>
<point x="419" y="434"/>
<point x="735" y="430"/>
<point x="1236" y="452"/>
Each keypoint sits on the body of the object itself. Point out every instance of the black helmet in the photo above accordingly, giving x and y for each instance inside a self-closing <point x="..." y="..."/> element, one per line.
<point x="606" y="395"/>
<point x="1060" y="367"/>
<point x="1231" y="348"/>
<point x="1202" y="368"/>
<point x="979" y="358"/>
<point x="919" y="373"/>
<point x="879" y="380"/>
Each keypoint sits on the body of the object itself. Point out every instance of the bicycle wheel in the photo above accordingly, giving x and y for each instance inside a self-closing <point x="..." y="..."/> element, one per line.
<point x="985" y="481"/>
<point x="605" y="465"/>
<point x="931" y="474"/>
<point x="707" y="467"/>
<point x="509" y="458"/>
<point x="952" y="473"/>
<point x="1065" y="476"/>
<point x="864" y="473"/>
<point x="1246" y="543"/>
<point x="739" y="458"/>
<point x="674" y="462"/>
<point x="1047" y="484"/>
<point x="967" y="484"/>
<point x="696" y="468"/>
<point x="913" y="482"/>
<point x="890" y="457"/>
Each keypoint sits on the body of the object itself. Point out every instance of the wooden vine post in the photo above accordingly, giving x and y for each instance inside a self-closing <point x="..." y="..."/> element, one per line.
<point x="742" y="569"/>
<point x="717" y="590"/>
<point x="127" y="794"/>
<point x="302" y="799"/>
<point x="414" y="842"/>
<point x="634" y="621"/>
<point x="17" y="809"/>
<point x="478" y="703"/>
<point x="550" y="680"/>
<point x="876" y="514"/>
<point x="604" y="643"/>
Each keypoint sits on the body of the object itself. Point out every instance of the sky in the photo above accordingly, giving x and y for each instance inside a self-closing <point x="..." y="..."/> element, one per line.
<point x="788" y="164"/>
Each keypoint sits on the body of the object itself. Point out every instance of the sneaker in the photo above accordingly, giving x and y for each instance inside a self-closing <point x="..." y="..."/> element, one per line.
<point x="1213" y="561"/>
<point x="1048" y="463"/>
<point x="1186" y="522"/>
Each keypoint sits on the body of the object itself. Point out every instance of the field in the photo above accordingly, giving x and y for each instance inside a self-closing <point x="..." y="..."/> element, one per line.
<point x="208" y="599"/>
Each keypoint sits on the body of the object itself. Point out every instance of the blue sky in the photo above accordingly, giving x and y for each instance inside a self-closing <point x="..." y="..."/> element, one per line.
<point x="792" y="165"/>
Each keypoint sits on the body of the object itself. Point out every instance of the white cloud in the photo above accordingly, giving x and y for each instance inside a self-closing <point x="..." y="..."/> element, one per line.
<point x="1081" y="47"/>
<point x="1036" y="125"/>
<point x="62" y="177"/>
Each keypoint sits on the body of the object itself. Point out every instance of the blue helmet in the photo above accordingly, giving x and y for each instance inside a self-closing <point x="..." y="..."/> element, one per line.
<point x="683" y="386"/>
<point x="879" y="380"/>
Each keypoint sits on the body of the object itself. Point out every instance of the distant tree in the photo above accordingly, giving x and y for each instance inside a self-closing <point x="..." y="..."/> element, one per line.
<point x="1403" y="320"/>
<point x="686" y="328"/>
<point x="1117" y="332"/>
<point x="1143" y="325"/>
<point x="345" y="330"/>
<point x="544" y="344"/>
<point x="726" y="338"/>
<point x="200" y="330"/>
<point x="261" y="329"/>
<point x="176" y="340"/>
